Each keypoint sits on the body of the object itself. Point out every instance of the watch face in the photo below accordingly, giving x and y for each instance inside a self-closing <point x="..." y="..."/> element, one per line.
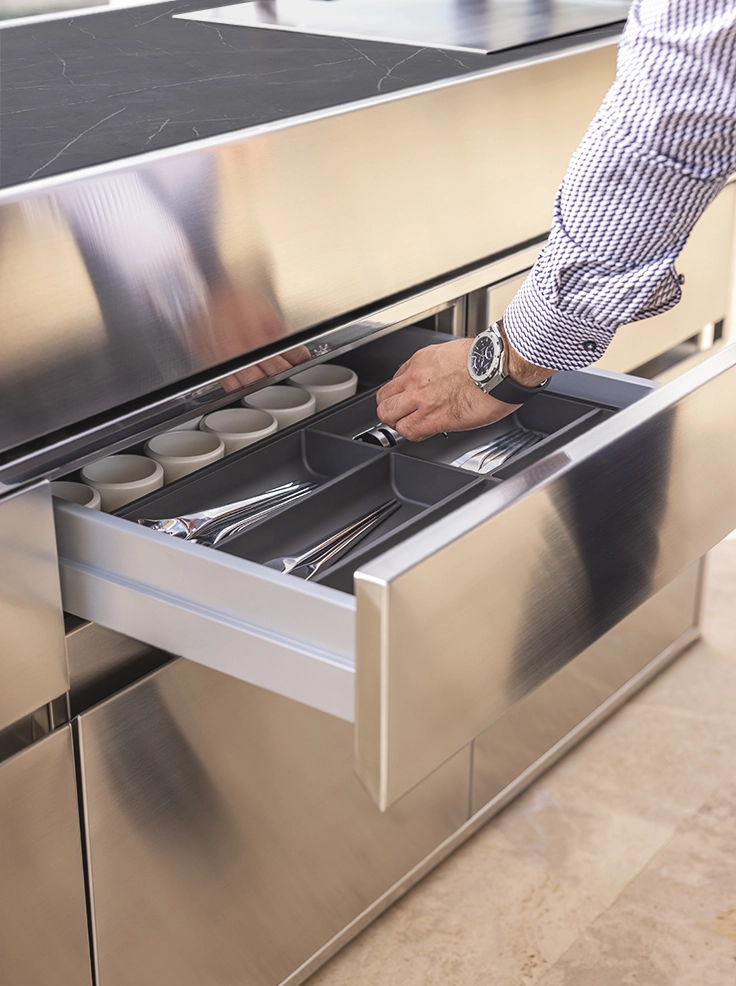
<point x="485" y="357"/>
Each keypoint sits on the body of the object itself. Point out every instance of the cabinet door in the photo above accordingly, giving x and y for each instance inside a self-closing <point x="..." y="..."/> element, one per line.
<point x="43" y="932"/>
<point x="229" y="838"/>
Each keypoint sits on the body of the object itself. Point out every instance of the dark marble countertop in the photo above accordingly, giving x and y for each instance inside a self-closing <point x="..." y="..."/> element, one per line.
<point x="95" y="88"/>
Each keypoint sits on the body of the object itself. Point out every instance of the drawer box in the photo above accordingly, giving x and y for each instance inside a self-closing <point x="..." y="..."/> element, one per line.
<point x="476" y="593"/>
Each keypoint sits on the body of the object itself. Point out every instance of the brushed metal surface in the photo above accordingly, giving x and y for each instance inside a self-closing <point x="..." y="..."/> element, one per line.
<point x="43" y="931"/>
<point x="497" y="780"/>
<point x="159" y="268"/>
<point x="225" y="612"/>
<point x="102" y="662"/>
<point x="443" y="299"/>
<point x="464" y="25"/>
<point x="33" y="667"/>
<point x="541" y="720"/>
<point x="540" y="568"/>
<point x="228" y="836"/>
<point x="499" y="801"/>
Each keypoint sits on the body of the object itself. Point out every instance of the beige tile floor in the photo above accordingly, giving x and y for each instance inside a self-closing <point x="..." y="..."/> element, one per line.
<point x="617" y="868"/>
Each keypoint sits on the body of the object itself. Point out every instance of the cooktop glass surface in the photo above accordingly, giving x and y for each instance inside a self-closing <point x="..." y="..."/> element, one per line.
<point x="466" y="25"/>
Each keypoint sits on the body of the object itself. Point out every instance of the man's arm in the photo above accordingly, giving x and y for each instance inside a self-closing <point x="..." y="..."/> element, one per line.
<point x="658" y="152"/>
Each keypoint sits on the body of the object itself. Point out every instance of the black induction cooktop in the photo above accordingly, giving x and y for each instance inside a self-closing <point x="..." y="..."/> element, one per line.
<point x="481" y="26"/>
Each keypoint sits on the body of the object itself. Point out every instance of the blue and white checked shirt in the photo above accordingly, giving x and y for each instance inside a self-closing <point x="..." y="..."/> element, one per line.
<point x="659" y="150"/>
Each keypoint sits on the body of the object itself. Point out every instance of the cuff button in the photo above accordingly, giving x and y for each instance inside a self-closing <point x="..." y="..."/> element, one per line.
<point x="589" y="346"/>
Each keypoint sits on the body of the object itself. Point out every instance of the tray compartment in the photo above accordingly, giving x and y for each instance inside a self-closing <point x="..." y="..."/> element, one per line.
<point x="302" y="456"/>
<point x="559" y="418"/>
<point x="340" y="576"/>
<point x="417" y="486"/>
<point x="352" y="419"/>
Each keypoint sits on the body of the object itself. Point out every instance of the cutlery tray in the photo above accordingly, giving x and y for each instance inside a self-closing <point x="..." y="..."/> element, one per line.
<point x="417" y="486"/>
<point x="558" y="418"/>
<point x="302" y="456"/>
<point x="354" y="477"/>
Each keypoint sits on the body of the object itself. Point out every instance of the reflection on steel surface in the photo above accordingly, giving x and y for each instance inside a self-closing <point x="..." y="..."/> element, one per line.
<point x="33" y="668"/>
<point x="587" y="535"/>
<point x="212" y="527"/>
<point x="466" y="25"/>
<point x="546" y="715"/>
<point x="140" y="275"/>
<point x="228" y="832"/>
<point x="127" y="426"/>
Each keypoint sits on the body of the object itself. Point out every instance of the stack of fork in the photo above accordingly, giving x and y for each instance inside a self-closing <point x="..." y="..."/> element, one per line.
<point x="493" y="454"/>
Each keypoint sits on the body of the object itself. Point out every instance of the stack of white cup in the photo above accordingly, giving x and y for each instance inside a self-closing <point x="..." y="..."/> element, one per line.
<point x="328" y="383"/>
<point x="112" y="482"/>
<point x="118" y="479"/>
<point x="286" y="404"/>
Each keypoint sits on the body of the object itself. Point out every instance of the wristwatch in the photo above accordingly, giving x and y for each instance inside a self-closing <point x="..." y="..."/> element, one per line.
<point x="487" y="368"/>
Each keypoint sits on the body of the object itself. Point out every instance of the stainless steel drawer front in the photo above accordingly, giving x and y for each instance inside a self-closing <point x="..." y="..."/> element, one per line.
<point x="32" y="655"/>
<point x="458" y="624"/>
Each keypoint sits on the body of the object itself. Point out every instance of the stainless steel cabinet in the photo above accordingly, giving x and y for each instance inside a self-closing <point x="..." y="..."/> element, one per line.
<point x="565" y="550"/>
<point x="228" y="837"/>
<point x="43" y="913"/>
<point x="33" y="667"/>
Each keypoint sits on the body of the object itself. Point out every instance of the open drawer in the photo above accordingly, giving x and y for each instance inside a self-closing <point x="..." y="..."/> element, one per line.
<point x="482" y="589"/>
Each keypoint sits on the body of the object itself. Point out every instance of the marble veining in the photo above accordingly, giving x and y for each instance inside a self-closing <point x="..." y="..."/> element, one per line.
<point x="99" y="87"/>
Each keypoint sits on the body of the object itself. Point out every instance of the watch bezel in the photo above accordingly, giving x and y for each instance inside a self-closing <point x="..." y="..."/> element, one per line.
<point x="495" y="370"/>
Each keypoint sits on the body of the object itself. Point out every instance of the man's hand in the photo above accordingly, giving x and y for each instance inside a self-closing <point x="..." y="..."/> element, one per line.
<point x="433" y="392"/>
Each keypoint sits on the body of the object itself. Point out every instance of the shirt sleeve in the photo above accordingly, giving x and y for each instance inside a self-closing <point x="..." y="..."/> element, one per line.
<point x="659" y="150"/>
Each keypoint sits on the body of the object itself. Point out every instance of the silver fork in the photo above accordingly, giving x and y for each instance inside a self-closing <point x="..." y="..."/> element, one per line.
<point x="313" y="559"/>
<point x="495" y="459"/>
<point x="216" y="533"/>
<point x="496" y="444"/>
<point x="207" y="522"/>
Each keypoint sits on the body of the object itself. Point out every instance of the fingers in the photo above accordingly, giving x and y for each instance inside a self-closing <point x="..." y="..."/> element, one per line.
<point x="395" y="385"/>
<point x="389" y="390"/>
<point x="395" y="408"/>
<point x="273" y="365"/>
<point x="415" y="427"/>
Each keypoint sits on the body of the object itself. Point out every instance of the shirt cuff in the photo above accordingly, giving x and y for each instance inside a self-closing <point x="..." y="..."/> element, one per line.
<point x="546" y="336"/>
